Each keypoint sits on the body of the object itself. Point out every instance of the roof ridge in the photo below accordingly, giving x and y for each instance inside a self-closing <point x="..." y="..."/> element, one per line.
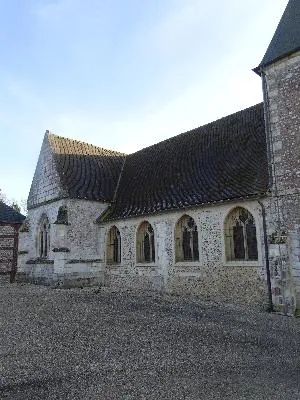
<point x="218" y="120"/>
<point x="80" y="142"/>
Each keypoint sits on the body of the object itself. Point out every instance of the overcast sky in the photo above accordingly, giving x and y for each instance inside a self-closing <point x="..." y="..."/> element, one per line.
<point x="122" y="74"/>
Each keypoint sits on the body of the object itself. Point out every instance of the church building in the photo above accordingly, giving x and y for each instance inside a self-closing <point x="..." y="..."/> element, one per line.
<point x="213" y="212"/>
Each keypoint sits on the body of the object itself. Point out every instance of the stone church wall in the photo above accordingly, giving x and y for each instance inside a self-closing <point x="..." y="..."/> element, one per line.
<point x="74" y="248"/>
<point x="81" y="257"/>
<point x="212" y="277"/>
<point x="283" y="109"/>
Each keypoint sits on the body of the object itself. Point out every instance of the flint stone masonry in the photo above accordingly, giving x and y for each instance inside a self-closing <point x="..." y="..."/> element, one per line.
<point x="6" y="248"/>
<point x="85" y="264"/>
<point x="10" y="222"/>
<point x="7" y="229"/>
<point x="210" y="277"/>
<point x="283" y="87"/>
<point x="283" y="91"/>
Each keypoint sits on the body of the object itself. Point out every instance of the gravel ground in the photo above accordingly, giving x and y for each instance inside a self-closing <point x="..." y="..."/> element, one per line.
<point x="102" y="344"/>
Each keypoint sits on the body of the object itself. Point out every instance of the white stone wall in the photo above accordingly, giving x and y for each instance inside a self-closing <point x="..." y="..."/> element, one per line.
<point x="210" y="277"/>
<point x="80" y="232"/>
<point x="46" y="184"/>
<point x="80" y="237"/>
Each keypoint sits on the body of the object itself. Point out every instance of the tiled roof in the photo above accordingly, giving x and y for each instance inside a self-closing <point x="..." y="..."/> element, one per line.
<point x="223" y="160"/>
<point x="9" y="215"/>
<point x="286" y="39"/>
<point x="86" y="171"/>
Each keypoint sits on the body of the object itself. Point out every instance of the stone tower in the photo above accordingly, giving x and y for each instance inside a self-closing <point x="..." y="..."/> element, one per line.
<point x="280" y="73"/>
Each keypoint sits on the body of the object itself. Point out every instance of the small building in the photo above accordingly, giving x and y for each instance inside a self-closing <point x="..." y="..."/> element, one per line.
<point x="10" y="223"/>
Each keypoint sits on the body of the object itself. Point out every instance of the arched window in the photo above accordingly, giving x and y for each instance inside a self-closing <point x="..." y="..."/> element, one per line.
<point x="145" y="248"/>
<point x="44" y="237"/>
<point x="240" y="235"/>
<point x="113" y="253"/>
<point x="186" y="240"/>
<point x="62" y="216"/>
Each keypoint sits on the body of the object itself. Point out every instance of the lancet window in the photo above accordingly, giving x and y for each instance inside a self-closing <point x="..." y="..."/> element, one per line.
<point x="240" y="235"/>
<point x="44" y="237"/>
<point x="186" y="239"/>
<point x="113" y="253"/>
<point x="145" y="244"/>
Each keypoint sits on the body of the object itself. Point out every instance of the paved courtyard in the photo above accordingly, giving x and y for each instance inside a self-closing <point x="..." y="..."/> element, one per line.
<point x="101" y="344"/>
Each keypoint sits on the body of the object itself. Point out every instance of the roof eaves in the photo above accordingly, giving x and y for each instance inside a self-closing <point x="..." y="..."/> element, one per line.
<point x="261" y="66"/>
<point x="105" y="216"/>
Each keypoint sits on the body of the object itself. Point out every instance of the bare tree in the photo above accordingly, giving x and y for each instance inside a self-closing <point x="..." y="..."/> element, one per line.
<point x="23" y="206"/>
<point x="3" y="196"/>
<point x="19" y="206"/>
<point x="15" y="206"/>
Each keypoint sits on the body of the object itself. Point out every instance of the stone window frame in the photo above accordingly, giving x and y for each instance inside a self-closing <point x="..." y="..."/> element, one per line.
<point x="240" y="262"/>
<point x="113" y="249"/>
<point x="141" y="231"/>
<point x="43" y="237"/>
<point x="178" y="240"/>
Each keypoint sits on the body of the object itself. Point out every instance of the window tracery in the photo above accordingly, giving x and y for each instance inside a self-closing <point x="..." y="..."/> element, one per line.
<point x="145" y="246"/>
<point x="113" y="246"/>
<point x="240" y="235"/>
<point x="44" y="237"/>
<point x="186" y="241"/>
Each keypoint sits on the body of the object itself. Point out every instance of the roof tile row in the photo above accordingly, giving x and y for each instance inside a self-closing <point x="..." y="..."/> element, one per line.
<point x="223" y="160"/>
<point x="86" y="171"/>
